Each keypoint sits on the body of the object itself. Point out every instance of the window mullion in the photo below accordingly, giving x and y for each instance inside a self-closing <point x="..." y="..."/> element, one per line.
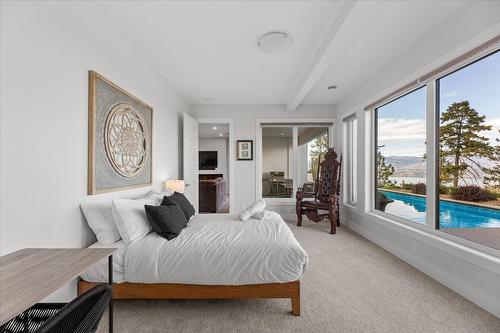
<point x="431" y="143"/>
<point x="294" y="173"/>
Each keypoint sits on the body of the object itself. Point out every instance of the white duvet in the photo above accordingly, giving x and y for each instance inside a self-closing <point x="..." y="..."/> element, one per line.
<point x="99" y="271"/>
<point x="218" y="250"/>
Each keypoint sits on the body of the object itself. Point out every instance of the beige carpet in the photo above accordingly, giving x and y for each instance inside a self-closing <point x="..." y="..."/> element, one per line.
<point x="352" y="286"/>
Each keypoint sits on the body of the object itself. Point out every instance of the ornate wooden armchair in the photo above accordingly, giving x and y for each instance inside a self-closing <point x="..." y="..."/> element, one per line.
<point x="326" y="196"/>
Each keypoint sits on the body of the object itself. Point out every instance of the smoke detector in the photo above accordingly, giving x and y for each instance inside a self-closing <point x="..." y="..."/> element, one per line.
<point x="275" y="42"/>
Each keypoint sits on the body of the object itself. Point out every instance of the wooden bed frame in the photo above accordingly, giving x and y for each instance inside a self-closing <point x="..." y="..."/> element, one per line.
<point x="127" y="290"/>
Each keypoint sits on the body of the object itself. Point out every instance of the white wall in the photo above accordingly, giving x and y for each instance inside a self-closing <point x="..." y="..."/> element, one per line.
<point x="46" y="51"/>
<point x="275" y="154"/>
<point x="471" y="273"/>
<point x="219" y="145"/>
<point x="245" y="117"/>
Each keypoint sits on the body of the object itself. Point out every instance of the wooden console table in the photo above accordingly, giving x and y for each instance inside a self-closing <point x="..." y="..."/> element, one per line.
<point x="28" y="276"/>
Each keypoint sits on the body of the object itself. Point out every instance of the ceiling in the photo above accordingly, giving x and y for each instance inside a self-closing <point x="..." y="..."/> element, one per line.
<point x="208" y="131"/>
<point x="207" y="49"/>
<point x="378" y="36"/>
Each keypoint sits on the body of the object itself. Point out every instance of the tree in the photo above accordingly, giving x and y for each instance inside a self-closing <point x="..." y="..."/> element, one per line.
<point x="493" y="177"/>
<point x="460" y="143"/>
<point x="493" y="174"/>
<point x="319" y="147"/>
<point x="383" y="171"/>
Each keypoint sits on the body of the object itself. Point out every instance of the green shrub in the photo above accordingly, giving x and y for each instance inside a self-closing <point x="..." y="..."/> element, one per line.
<point x="408" y="187"/>
<point x="472" y="193"/>
<point x="443" y="189"/>
<point x="388" y="186"/>
<point x="419" y="188"/>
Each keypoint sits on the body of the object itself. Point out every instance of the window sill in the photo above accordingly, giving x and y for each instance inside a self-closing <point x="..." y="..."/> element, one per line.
<point x="350" y="205"/>
<point x="470" y="251"/>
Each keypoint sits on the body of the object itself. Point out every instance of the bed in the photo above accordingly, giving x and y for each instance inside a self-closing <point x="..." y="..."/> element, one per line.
<point x="215" y="256"/>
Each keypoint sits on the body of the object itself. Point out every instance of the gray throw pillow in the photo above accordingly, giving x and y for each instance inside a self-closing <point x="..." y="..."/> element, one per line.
<point x="167" y="221"/>
<point x="181" y="201"/>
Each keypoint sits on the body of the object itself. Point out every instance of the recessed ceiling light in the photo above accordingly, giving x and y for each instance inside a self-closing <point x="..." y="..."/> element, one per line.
<point x="214" y="128"/>
<point x="275" y="42"/>
<point x="220" y="134"/>
<point x="332" y="87"/>
<point x="282" y="133"/>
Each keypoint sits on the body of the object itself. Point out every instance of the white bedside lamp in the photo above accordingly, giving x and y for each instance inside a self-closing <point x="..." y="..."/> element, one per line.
<point x="175" y="185"/>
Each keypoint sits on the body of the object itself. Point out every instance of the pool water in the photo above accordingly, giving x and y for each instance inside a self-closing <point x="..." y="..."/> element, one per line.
<point x="451" y="214"/>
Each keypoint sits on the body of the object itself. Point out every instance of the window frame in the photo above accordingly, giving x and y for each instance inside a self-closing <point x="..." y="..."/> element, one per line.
<point x="293" y="123"/>
<point x="432" y="151"/>
<point x="349" y="152"/>
<point x="429" y="184"/>
<point x="437" y="126"/>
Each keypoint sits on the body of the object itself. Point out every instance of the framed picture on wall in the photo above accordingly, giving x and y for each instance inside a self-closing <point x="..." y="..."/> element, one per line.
<point x="244" y="150"/>
<point x="120" y="138"/>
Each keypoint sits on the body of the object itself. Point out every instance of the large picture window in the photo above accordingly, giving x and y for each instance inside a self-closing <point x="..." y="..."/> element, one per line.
<point x="400" y="157"/>
<point x="469" y="152"/>
<point x="461" y="194"/>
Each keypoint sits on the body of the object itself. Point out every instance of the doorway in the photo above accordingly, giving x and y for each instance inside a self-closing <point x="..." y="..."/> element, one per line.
<point x="215" y="155"/>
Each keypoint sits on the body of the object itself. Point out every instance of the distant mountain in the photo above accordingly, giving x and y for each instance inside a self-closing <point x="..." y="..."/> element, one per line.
<point x="414" y="166"/>
<point x="407" y="166"/>
<point x="403" y="161"/>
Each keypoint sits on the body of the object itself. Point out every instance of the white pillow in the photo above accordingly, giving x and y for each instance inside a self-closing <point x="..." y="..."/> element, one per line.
<point x="158" y="196"/>
<point x="254" y="208"/>
<point x="99" y="217"/>
<point x="130" y="218"/>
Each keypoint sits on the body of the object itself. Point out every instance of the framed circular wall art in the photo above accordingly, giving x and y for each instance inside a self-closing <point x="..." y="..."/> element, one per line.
<point x="120" y="138"/>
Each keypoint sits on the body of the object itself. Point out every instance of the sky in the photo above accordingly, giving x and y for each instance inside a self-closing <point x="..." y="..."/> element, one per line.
<point x="401" y="123"/>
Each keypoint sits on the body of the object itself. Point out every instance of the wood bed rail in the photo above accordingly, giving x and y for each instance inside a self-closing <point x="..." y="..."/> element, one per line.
<point x="129" y="290"/>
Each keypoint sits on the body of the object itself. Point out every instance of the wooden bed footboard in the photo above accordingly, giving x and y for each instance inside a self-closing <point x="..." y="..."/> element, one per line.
<point x="127" y="290"/>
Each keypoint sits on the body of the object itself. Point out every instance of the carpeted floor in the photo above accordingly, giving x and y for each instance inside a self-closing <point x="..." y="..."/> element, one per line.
<point x="352" y="286"/>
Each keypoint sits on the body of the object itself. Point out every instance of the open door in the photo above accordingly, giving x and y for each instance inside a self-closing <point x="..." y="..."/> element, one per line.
<point x="190" y="151"/>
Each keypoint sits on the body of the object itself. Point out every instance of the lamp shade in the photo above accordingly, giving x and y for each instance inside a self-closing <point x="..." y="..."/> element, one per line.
<point x="175" y="185"/>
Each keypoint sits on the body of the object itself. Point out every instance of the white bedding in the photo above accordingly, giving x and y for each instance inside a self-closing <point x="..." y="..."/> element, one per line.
<point x="218" y="250"/>
<point x="99" y="271"/>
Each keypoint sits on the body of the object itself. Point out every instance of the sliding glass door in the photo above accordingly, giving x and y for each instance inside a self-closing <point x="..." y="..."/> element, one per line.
<point x="277" y="162"/>
<point x="290" y="154"/>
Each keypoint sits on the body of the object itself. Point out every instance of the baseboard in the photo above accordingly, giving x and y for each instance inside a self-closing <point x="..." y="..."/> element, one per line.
<point x="473" y="282"/>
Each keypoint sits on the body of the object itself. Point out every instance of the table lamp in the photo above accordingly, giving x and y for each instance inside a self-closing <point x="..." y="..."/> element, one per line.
<point x="175" y="185"/>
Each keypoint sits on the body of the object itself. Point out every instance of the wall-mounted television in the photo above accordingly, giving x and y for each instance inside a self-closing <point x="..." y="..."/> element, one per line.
<point x="208" y="160"/>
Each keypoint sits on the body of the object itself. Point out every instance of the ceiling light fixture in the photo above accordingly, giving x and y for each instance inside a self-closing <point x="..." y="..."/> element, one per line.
<point x="275" y="42"/>
<point x="282" y="133"/>
<point x="332" y="87"/>
<point x="220" y="134"/>
<point x="214" y="128"/>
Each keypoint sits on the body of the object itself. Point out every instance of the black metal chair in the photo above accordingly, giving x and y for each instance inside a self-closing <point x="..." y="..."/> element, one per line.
<point x="82" y="315"/>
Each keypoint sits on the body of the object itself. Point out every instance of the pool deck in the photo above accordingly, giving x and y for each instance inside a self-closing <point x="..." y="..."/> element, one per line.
<point x="485" y="236"/>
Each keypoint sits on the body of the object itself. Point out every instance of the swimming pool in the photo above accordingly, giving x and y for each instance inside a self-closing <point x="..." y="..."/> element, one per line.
<point x="452" y="215"/>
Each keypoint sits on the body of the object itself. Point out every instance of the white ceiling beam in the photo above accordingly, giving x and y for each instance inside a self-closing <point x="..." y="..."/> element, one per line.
<point x="324" y="57"/>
